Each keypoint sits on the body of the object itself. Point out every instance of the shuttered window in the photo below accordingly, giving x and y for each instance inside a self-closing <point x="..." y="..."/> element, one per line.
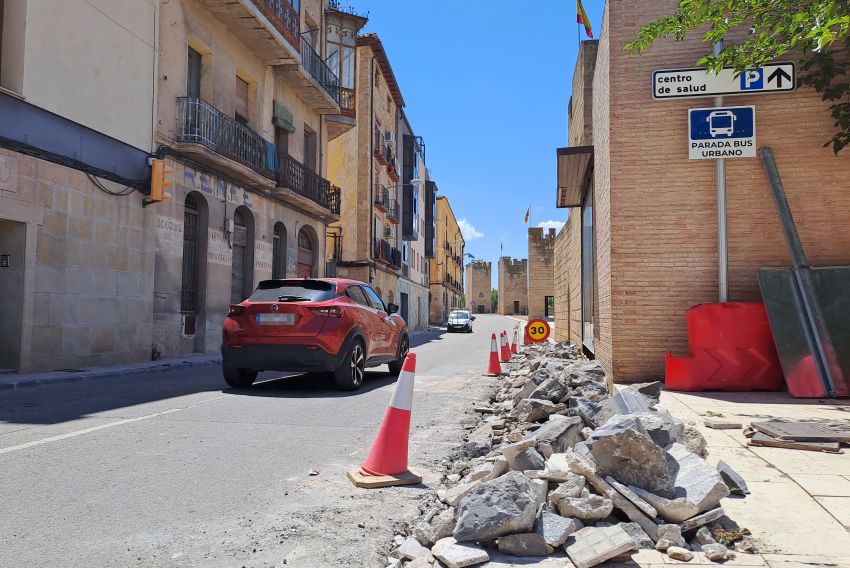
<point x="242" y="101"/>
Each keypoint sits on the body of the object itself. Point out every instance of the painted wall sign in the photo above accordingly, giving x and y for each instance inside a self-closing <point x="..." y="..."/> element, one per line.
<point x="722" y="132"/>
<point x="698" y="82"/>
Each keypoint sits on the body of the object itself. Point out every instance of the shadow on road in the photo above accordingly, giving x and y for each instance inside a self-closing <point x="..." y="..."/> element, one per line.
<point x="310" y="385"/>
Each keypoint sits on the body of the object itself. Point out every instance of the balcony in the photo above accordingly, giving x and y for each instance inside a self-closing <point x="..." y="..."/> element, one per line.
<point x="348" y="102"/>
<point x="380" y="151"/>
<point x="270" y="28"/>
<point x="392" y="212"/>
<point x="313" y="80"/>
<point x="214" y="139"/>
<point x="388" y="254"/>
<point x="301" y="186"/>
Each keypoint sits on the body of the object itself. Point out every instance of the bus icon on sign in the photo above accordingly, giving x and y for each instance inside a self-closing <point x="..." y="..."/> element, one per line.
<point x="721" y="122"/>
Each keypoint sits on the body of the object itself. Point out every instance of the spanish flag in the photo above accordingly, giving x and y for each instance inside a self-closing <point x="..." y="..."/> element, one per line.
<point x="527" y="214"/>
<point x="581" y="18"/>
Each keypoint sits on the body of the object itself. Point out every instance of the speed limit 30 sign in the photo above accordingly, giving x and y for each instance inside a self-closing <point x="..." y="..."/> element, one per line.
<point x="537" y="331"/>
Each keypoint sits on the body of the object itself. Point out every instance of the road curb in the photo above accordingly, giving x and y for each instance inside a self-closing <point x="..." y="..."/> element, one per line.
<point x="58" y="377"/>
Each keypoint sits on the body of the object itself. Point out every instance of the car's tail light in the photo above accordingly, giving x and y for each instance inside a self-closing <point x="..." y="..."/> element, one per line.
<point x="235" y="310"/>
<point x="330" y="312"/>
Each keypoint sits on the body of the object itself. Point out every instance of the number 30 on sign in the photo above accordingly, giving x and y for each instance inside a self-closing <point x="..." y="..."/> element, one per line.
<point x="537" y="330"/>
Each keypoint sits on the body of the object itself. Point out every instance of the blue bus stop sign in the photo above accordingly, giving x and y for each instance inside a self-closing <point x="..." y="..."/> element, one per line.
<point x="722" y="132"/>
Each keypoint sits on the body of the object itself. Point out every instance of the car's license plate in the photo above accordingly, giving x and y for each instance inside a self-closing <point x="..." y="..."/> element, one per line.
<point x="275" y="319"/>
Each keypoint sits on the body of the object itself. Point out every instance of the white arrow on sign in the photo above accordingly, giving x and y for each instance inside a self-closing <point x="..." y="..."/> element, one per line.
<point x="698" y="82"/>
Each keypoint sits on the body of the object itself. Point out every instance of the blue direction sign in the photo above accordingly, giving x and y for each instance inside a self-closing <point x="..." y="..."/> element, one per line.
<point x="722" y="132"/>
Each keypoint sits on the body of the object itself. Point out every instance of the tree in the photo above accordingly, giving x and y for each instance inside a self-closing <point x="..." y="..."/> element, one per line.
<point x="494" y="300"/>
<point x="756" y="32"/>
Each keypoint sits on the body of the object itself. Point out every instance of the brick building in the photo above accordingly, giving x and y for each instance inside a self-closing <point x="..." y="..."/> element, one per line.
<point x="513" y="286"/>
<point x="479" y="287"/>
<point x="640" y="244"/>
<point x="541" y="272"/>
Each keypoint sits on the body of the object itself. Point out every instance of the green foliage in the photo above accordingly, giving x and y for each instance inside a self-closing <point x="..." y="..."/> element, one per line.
<point x="494" y="300"/>
<point x="756" y="32"/>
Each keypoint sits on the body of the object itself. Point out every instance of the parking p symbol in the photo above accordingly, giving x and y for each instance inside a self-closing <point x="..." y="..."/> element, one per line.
<point x="752" y="79"/>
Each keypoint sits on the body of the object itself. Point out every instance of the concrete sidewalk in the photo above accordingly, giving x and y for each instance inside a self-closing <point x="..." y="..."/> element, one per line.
<point x="799" y="508"/>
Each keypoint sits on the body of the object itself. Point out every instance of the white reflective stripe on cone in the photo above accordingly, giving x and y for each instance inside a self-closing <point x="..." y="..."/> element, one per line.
<point x="493" y="346"/>
<point x="403" y="395"/>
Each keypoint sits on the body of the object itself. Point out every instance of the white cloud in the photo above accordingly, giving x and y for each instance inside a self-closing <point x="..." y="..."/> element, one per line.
<point x="469" y="232"/>
<point x="557" y="225"/>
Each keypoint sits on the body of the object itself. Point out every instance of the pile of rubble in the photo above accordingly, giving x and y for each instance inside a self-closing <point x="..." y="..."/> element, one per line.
<point x="557" y="465"/>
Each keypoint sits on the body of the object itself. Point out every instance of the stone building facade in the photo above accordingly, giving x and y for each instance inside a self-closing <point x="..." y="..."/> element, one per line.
<point x="643" y="223"/>
<point x="447" y="264"/>
<point x="479" y="287"/>
<point x="513" y="286"/>
<point x="541" y="273"/>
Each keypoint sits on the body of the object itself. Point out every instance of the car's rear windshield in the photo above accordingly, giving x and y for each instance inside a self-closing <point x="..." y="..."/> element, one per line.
<point x="293" y="291"/>
<point x="461" y="315"/>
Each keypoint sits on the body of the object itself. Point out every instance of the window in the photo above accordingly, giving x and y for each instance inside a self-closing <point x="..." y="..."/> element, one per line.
<point x="242" y="269"/>
<point x="357" y="294"/>
<point x="341" y="51"/>
<point x="281" y="144"/>
<point x="374" y="299"/>
<point x="293" y="291"/>
<point x="193" y="74"/>
<point x="242" y="89"/>
<point x="192" y="235"/>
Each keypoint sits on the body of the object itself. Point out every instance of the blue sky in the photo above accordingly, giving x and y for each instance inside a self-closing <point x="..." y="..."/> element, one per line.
<point x="487" y="85"/>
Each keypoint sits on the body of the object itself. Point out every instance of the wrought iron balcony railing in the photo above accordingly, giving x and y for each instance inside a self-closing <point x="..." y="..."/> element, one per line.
<point x="302" y="180"/>
<point x="385" y="252"/>
<point x="284" y="17"/>
<point x="348" y="102"/>
<point x="392" y="211"/>
<point x="347" y="9"/>
<point x="198" y="122"/>
<point x="319" y="70"/>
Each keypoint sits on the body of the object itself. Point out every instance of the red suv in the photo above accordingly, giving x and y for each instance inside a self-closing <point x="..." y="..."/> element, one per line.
<point x="312" y="325"/>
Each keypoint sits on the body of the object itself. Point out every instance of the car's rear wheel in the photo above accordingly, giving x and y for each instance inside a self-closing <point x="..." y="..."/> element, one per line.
<point x="349" y="375"/>
<point x="238" y="378"/>
<point x="403" y="348"/>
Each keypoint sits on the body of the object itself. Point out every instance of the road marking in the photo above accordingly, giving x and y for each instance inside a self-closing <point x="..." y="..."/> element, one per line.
<point x="84" y="431"/>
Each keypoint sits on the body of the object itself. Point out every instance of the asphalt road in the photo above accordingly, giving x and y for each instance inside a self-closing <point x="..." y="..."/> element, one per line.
<point x="174" y="469"/>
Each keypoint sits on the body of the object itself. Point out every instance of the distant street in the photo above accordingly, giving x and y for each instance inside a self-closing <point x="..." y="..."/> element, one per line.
<point x="173" y="469"/>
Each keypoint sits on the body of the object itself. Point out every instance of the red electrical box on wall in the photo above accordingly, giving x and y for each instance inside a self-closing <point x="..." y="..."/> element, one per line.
<point x="730" y="349"/>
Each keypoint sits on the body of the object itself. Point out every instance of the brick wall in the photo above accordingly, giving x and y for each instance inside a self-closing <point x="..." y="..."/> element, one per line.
<point x="655" y="210"/>
<point x="541" y="269"/>
<point x="562" y="287"/>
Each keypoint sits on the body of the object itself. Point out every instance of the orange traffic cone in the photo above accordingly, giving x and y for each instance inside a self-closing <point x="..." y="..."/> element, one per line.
<point x="514" y="344"/>
<point x="506" y="351"/>
<point x="386" y="464"/>
<point x="493" y="369"/>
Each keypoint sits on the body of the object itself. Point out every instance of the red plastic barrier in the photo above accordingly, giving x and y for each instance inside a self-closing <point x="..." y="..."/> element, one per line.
<point x="730" y="349"/>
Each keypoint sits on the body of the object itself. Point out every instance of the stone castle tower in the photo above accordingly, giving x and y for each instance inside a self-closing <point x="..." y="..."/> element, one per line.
<point x="513" y="286"/>
<point x="478" y="287"/>
<point x="541" y="272"/>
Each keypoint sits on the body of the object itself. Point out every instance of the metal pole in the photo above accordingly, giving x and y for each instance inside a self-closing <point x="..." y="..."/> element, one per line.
<point x="722" y="233"/>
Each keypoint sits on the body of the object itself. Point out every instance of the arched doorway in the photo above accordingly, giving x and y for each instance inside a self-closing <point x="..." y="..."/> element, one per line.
<point x="307" y="253"/>
<point x="241" y="275"/>
<point x="279" y="245"/>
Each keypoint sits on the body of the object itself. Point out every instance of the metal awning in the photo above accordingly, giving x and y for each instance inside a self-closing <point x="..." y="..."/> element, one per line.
<point x="574" y="165"/>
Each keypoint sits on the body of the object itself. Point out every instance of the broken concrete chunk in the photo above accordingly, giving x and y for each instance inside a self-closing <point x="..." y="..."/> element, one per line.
<point x="555" y="529"/>
<point x="411" y="550"/>
<point x="456" y="555"/>
<point x="456" y="493"/>
<point x="625" y="451"/>
<point x="715" y="551"/>
<point x="523" y="544"/>
<point x="673" y="510"/>
<point x="695" y="441"/>
<point x="505" y="505"/>
<point x="679" y="553"/>
<point x="585" y="409"/>
<point x="533" y="410"/>
<point x="557" y="469"/>
<point x="626" y="402"/>
<point x="697" y="481"/>
<point x="524" y="392"/>
<point x="594" y="545"/>
<point x="511" y="450"/>
<point x="500" y="466"/>
<point x="703" y="536"/>
<point x="645" y="507"/>
<point x="663" y="544"/>
<point x="652" y="390"/>
<point x="479" y="441"/>
<point x="552" y="389"/>
<point x="642" y="540"/>
<point x="557" y="435"/>
<point x="701" y="520"/>
<point x="591" y="508"/>
<point x="662" y="427"/>
<point x="572" y="487"/>
<point x="673" y="534"/>
<point x="733" y="481"/>
<point x="541" y="489"/>
<point x="528" y="458"/>
<point x="440" y="526"/>
<point x="722" y="424"/>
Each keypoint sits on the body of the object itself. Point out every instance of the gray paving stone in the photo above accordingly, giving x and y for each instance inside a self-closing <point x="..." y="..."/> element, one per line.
<point x="594" y="545"/>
